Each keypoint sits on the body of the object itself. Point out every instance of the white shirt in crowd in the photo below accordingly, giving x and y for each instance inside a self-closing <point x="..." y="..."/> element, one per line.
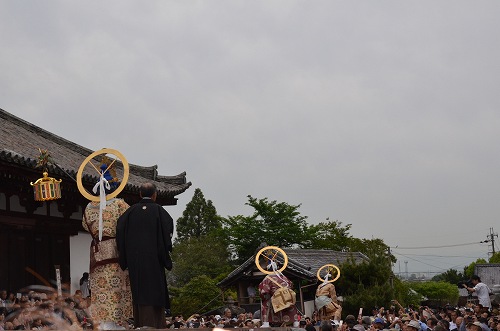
<point x="483" y="294"/>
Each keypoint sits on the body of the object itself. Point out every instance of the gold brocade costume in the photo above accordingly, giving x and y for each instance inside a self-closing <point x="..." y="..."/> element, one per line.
<point x="326" y="302"/>
<point x="109" y="285"/>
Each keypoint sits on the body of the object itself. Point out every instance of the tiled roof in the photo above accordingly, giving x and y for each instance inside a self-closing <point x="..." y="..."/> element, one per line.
<point x="313" y="259"/>
<point x="302" y="263"/>
<point x="20" y="140"/>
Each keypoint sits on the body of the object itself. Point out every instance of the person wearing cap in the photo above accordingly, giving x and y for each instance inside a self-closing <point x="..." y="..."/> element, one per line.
<point x="111" y="298"/>
<point x="358" y="327"/>
<point x="476" y="326"/>
<point x="413" y="326"/>
<point x="366" y="321"/>
<point x="378" y="323"/>
<point x="482" y="291"/>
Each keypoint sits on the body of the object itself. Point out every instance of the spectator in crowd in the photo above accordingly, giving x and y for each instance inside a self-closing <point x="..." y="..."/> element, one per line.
<point x="251" y="292"/>
<point x="366" y="321"/>
<point x="476" y="326"/>
<point x="310" y="327"/>
<point x="2" y="320"/>
<point x="378" y="323"/>
<point x="326" y="326"/>
<point x="482" y="291"/>
<point x="431" y="323"/>
<point x="3" y="298"/>
<point x="249" y="324"/>
<point x="350" y="321"/>
<point x="85" y="285"/>
<point x="413" y="325"/>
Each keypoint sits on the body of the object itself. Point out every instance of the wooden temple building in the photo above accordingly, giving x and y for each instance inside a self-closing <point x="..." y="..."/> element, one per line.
<point x="301" y="269"/>
<point x="36" y="236"/>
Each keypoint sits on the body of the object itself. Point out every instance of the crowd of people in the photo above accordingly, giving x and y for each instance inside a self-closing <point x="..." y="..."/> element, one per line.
<point x="448" y="318"/>
<point x="46" y="310"/>
<point x="43" y="310"/>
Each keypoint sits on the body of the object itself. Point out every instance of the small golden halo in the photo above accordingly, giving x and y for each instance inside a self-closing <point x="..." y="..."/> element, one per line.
<point x="330" y="268"/>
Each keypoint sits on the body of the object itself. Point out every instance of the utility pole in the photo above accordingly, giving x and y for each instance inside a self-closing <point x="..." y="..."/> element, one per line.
<point x="391" y="280"/>
<point x="491" y="238"/>
<point x="406" y="269"/>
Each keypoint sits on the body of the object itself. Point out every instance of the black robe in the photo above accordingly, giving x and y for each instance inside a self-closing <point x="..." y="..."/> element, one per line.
<point x="144" y="241"/>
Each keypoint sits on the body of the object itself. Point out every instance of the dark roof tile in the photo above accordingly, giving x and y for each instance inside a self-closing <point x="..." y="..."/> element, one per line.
<point x="301" y="262"/>
<point x="20" y="140"/>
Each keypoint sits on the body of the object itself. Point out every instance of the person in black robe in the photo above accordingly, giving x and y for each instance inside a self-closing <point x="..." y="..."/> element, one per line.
<point x="144" y="241"/>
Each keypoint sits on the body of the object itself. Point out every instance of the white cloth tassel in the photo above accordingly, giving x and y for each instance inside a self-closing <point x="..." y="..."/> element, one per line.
<point x="326" y="278"/>
<point x="102" y="184"/>
<point x="276" y="271"/>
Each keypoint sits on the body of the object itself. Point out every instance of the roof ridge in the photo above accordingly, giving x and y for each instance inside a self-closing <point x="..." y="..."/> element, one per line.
<point x="44" y="133"/>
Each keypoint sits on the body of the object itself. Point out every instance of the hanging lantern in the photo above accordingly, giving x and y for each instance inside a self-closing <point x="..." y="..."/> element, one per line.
<point x="47" y="188"/>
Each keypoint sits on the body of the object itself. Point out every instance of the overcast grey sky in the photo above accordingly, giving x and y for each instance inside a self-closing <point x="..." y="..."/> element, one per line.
<point x="382" y="114"/>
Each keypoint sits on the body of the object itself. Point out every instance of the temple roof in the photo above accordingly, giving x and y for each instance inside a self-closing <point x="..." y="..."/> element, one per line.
<point x="302" y="263"/>
<point x="20" y="140"/>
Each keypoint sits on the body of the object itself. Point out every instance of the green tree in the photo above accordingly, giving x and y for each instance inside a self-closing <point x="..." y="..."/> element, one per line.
<point x="207" y="255"/>
<point x="495" y="258"/>
<point x="198" y="219"/>
<point x="405" y="295"/>
<point x="244" y="236"/>
<point x="327" y="235"/>
<point x="372" y="248"/>
<point x="275" y="223"/>
<point x="365" y="284"/>
<point x="469" y="270"/>
<point x="443" y="292"/>
<point x="201" y="294"/>
<point x="451" y="276"/>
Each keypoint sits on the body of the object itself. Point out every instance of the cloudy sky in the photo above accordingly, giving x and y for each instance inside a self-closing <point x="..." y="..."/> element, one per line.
<point x="380" y="114"/>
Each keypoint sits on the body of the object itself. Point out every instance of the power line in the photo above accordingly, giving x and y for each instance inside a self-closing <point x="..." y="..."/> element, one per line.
<point x="443" y="246"/>
<point x="430" y="265"/>
<point x="431" y="255"/>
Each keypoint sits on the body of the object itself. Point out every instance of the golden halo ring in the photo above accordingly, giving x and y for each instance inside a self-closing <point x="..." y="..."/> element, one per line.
<point x="275" y="250"/>
<point x="330" y="267"/>
<point x="88" y="159"/>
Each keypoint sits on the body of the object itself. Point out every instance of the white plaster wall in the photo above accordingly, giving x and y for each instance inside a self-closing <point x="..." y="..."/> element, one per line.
<point x="79" y="257"/>
<point x="308" y="308"/>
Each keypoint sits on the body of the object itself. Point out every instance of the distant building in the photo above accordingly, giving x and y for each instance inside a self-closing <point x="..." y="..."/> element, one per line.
<point x="302" y="268"/>
<point x="489" y="273"/>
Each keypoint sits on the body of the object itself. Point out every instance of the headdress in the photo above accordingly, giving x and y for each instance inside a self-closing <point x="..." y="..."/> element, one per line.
<point x="108" y="185"/>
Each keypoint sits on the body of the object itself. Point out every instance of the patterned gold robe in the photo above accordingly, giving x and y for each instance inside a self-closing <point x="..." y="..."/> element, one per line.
<point x="109" y="285"/>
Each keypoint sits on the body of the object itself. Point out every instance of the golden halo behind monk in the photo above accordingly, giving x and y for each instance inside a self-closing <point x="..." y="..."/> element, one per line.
<point x="89" y="158"/>
<point x="329" y="268"/>
<point x="270" y="254"/>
